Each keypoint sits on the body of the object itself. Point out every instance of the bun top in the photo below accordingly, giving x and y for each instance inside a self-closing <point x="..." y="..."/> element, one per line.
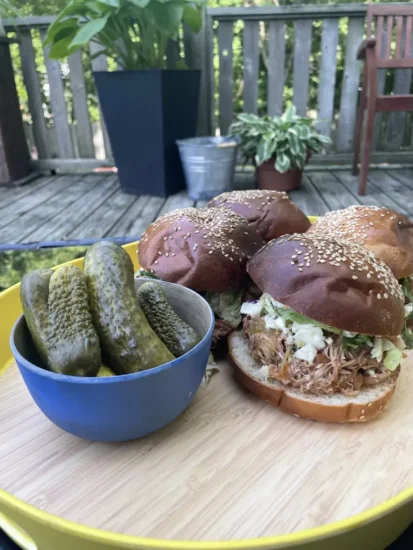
<point x="337" y="283"/>
<point x="205" y="249"/>
<point x="272" y="213"/>
<point x="386" y="233"/>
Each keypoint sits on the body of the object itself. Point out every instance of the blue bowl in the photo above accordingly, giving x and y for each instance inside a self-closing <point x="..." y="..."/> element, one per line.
<point x="120" y="408"/>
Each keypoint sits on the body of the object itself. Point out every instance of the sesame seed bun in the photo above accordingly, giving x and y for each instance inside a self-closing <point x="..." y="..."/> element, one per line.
<point x="337" y="407"/>
<point x="272" y="213"/>
<point x="205" y="249"/>
<point x="334" y="282"/>
<point x="386" y="233"/>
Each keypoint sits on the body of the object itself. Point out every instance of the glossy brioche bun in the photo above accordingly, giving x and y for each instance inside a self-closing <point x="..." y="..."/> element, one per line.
<point x="334" y="282"/>
<point x="205" y="249"/>
<point x="272" y="213"/>
<point x="386" y="233"/>
<point x="366" y="405"/>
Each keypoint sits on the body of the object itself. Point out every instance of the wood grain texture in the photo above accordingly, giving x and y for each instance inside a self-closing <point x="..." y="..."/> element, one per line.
<point x="78" y="86"/>
<point x="302" y="50"/>
<point x="251" y="61"/>
<point x="225" y="35"/>
<point x="178" y="200"/>
<point x="230" y="467"/>
<point x="308" y="199"/>
<point x="349" y="88"/>
<point x="326" y="85"/>
<point x="35" y="212"/>
<point x="100" y="222"/>
<point x="402" y="84"/>
<point x="276" y="60"/>
<point x="58" y="103"/>
<point x="198" y="55"/>
<point x="59" y="227"/>
<point x="34" y="94"/>
<point x="100" y="63"/>
<point x="381" y="79"/>
<point x="334" y="193"/>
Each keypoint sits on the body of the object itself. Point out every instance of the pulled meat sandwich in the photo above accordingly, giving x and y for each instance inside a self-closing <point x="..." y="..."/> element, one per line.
<point x="386" y="233"/>
<point x="205" y="249"/>
<point x="323" y="341"/>
<point x="272" y="213"/>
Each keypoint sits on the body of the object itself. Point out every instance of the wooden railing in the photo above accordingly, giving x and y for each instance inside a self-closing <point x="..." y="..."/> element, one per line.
<point x="252" y="59"/>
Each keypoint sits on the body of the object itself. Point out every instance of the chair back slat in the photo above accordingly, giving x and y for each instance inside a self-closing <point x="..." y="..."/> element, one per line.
<point x="408" y="39"/>
<point x="391" y="26"/>
<point x="389" y="32"/>
<point x="399" y="34"/>
<point x="379" y="35"/>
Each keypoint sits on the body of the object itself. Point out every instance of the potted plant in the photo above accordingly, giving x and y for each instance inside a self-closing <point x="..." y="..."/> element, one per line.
<point x="279" y="146"/>
<point x="145" y="106"/>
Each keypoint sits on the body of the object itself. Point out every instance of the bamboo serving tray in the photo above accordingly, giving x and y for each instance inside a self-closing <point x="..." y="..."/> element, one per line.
<point x="231" y="467"/>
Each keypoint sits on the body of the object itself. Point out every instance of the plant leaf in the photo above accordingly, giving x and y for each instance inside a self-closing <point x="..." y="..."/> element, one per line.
<point x="89" y="30"/>
<point x="192" y="17"/>
<point x="290" y="114"/>
<point x="167" y="16"/>
<point x="60" y="30"/>
<point x="61" y="48"/>
<point x="111" y="3"/>
<point x="139" y="3"/>
<point x="282" y="162"/>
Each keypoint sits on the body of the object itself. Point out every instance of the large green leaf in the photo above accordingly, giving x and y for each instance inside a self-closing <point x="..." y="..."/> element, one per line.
<point x="167" y="17"/>
<point x="89" y="30"/>
<point x="61" y="48"/>
<point x="290" y="114"/>
<point x="60" y="30"/>
<point x="139" y="3"/>
<point x="111" y="3"/>
<point x="294" y="143"/>
<point x="192" y="17"/>
<point x="282" y="162"/>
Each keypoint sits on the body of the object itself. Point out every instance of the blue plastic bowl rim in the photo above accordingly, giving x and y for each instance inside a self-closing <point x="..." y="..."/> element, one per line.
<point x="111" y="379"/>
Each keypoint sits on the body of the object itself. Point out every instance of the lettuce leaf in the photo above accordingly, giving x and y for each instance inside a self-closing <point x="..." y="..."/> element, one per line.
<point x="407" y="336"/>
<point x="290" y="315"/>
<point x="226" y="305"/>
<point x="144" y="273"/>
<point x="358" y="341"/>
<point x="393" y="358"/>
<point x="406" y="284"/>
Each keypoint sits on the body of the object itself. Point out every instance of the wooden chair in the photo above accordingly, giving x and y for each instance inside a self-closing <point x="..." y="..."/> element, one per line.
<point x="377" y="54"/>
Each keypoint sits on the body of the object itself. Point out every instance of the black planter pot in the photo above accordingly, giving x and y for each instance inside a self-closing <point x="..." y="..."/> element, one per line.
<point x="145" y="112"/>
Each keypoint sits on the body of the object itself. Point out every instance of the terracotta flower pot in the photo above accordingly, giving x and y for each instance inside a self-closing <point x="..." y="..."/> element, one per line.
<point x="269" y="178"/>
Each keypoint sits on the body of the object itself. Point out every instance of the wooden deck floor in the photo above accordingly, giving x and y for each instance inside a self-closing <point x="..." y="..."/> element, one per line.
<point x="72" y="207"/>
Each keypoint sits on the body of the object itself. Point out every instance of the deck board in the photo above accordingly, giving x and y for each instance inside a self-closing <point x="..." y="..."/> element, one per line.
<point x="76" y="207"/>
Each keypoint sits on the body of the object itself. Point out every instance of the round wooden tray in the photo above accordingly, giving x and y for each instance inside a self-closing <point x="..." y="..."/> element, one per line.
<point x="230" y="467"/>
<point x="231" y="473"/>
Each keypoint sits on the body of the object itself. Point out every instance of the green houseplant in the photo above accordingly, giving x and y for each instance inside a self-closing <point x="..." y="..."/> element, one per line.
<point x="279" y="146"/>
<point x="146" y="106"/>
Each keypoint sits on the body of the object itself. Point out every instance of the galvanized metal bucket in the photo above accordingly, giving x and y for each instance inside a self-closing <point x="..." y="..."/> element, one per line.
<point x="208" y="164"/>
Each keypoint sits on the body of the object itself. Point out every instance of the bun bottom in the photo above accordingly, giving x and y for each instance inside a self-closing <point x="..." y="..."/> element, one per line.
<point x="366" y="405"/>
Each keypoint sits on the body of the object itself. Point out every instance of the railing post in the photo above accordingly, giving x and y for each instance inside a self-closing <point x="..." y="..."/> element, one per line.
<point x="14" y="154"/>
<point x="199" y="56"/>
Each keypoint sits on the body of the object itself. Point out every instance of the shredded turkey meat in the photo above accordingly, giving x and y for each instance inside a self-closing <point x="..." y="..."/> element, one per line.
<point x="334" y="369"/>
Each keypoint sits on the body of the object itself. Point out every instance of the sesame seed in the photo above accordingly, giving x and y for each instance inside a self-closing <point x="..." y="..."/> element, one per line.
<point x="354" y="277"/>
<point x="379" y="296"/>
<point x="210" y="252"/>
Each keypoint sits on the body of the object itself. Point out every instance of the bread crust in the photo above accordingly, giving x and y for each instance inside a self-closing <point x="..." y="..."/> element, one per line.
<point x="301" y="405"/>
<point x="386" y="233"/>
<point x="272" y="213"/>
<point x="334" y="282"/>
<point x="205" y="249"/>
